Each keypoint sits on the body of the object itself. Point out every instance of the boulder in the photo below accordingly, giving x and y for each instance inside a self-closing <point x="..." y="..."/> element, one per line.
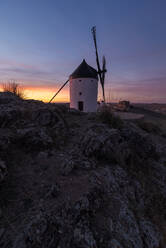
<point x="3" y="171"/>
<point x="126" y="146"/>
<point x="34" y="138"/>
<point x="9" y="98"/>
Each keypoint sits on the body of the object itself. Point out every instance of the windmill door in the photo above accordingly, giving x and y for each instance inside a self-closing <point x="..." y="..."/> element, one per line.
<point x="81" y="106"/>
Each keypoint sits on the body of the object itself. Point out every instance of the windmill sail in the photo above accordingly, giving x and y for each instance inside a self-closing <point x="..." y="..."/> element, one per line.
<point x="95" y="43"/>
<point x="103" y="76"/>
<point x="102" y="72"/>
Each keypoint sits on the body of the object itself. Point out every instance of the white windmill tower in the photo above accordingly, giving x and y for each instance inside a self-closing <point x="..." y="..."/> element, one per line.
<point x="84" y="88"/>
<point x="84" y="84"/>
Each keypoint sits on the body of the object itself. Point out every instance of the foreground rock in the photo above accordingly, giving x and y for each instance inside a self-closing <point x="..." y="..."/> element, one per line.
<point x="101" y="218"/>
<point x="117" y="210"/>
<point x="3" y="171"/>
<point x="31" y="124"/>
<point x="101" y="187"/>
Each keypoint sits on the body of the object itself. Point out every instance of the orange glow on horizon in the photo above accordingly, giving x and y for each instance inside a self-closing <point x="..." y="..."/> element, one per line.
<point x="45" y="93"/>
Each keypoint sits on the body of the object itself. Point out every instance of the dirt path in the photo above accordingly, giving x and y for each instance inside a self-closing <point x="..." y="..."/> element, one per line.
<point x="129" y="116"/>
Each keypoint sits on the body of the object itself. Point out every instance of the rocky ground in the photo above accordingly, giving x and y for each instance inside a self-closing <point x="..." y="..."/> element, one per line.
<point x="74" y="180"/>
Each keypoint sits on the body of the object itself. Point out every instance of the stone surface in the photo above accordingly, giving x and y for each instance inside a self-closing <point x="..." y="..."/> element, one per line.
<point x="3" y="171"/>
<point x="90" y="186"/>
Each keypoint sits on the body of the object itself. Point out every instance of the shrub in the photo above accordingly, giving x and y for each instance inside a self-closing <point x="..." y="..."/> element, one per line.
<point x="149" y="127"/>
<point x="14" y="88"/>
<point x="106" y="116"/>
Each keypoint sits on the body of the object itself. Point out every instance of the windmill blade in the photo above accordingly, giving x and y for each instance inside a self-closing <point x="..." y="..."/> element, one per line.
<point x="95" y="43"/>
<point x="59" y="91"/>
<point x="103" y="69"/>
<point x="97" y="60"/>
<point x="103" y="76"/>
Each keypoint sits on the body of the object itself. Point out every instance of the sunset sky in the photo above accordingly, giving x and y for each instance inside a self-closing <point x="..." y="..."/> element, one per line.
<point x="43" y="41"/>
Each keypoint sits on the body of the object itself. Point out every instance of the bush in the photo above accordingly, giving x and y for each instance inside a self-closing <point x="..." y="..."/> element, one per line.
<point x="149" y="127"/>
<point x="14" y="88"/>
<point x="106" y="116"/>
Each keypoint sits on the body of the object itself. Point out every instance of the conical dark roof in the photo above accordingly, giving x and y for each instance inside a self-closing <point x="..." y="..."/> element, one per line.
<point x="84" y="71"/>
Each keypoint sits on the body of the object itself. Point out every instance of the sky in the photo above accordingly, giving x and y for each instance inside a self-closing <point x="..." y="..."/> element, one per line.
<point x="43" y="41"/>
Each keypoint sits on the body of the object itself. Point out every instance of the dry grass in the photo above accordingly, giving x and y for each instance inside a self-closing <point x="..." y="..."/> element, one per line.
<point x="149" y="127"/>
<point x="14" y="88"/>
<point x="106" y="116"/>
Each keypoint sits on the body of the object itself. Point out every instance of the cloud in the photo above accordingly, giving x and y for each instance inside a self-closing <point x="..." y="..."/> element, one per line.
<point x="150" y="89"/>
<point x="129" y="86"/>
<point x="28" y="74"/>
<point x="27" y="70"/>
<point x="144" y="82"/>
<point x="141" y="55"/>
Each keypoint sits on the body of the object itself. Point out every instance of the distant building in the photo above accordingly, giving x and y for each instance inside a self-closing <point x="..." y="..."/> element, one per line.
<point x="84" y="88"/>
<point x="122" y="106"/>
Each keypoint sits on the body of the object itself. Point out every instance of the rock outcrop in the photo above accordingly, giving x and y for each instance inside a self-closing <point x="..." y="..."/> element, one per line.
<point x="3" y="171"/>
<point x="90" y="186"/>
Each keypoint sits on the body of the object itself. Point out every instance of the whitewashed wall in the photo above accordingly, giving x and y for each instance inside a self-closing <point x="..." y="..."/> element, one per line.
<point x="89" y="89"/>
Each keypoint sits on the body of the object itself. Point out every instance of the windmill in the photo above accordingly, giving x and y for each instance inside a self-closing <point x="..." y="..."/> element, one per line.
<point x="101" y="72"/>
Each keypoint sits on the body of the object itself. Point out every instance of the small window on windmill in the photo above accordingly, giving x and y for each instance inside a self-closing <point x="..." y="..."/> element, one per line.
<point x="92" y="80"/>
<point x="80" y="93"/>
<point x="80" y="80"/>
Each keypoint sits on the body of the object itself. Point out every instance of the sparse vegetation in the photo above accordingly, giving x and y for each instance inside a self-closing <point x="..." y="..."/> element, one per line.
<point x="14" y="88"/>
<point x="107" y="117"/>
<point x="149" y="127"/>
